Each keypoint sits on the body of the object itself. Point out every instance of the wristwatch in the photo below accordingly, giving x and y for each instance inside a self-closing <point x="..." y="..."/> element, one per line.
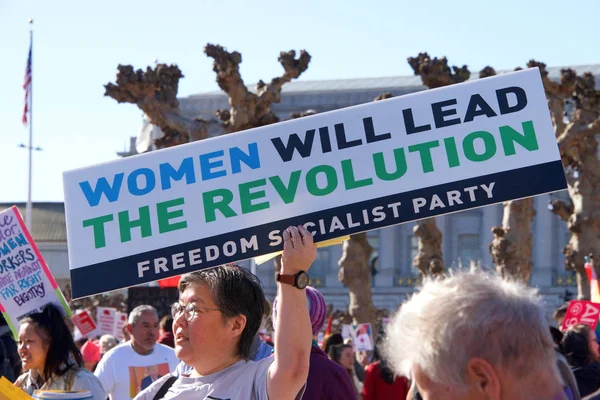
<point x="299" y="280"/>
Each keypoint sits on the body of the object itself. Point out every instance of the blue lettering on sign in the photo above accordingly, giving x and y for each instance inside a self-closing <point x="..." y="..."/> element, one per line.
<point x="211" y="166"/>
<point x="168" y="173"/>
<point x="111" y="192"/>
<point x="29" y="281"/>
<point x="207" y="166"/>
<point x="133" y="183"/>
<point x="8" y="291"/>
<point x="33" y="293"/>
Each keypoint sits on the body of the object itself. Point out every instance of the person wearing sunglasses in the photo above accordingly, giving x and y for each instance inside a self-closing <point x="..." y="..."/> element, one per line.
<point x="216" y="319"/>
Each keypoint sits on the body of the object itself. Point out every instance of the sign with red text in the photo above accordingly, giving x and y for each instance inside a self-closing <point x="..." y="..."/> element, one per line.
<point x="581" y="312"/>
<point x="26" y="283"/>
<point x="84" y="322"/>
<point x="120" y="322"/>
<point x="106" y="318"/>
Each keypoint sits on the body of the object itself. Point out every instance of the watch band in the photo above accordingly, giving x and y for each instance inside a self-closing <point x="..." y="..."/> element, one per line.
<point x="287" y="279"/>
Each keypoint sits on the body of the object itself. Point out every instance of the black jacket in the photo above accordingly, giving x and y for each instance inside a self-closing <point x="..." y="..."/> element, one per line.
<point x="588" y="378"/>
<point x="12" y="354"/>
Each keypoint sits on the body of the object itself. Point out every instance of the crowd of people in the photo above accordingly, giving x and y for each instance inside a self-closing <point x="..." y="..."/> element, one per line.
<point x="470" y="335"/>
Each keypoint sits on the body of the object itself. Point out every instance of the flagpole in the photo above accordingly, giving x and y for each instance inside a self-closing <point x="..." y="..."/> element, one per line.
<point x="28" y="209"/>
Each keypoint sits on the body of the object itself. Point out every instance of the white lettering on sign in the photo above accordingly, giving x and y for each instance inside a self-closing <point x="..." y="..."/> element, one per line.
<point x="590" y="315"/>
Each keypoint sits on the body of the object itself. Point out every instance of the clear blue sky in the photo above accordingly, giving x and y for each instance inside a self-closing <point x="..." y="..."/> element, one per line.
<point x="78" y="45"/>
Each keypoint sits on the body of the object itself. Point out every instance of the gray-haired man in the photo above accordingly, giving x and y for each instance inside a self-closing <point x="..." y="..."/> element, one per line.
<point x="475" y="336"/>
<point x="124" y="367"/>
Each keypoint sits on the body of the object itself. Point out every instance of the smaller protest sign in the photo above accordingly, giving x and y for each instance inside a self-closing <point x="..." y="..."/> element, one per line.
<point x="120" y="322"/>
<point x="361" y="336"/>
<point x="84" y="322"/>
<point x="106" y="318"/>
<point x="581" y="312"/>
<point x="26" y="284"/>
<point x="8" y="391"/>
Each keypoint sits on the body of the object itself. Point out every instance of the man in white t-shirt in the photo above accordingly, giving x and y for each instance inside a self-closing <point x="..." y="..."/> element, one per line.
<point x="123" y="369"/>
<point x="218" y="314"/>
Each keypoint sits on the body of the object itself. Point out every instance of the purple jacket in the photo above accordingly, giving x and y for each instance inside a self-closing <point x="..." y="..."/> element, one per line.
<point x="327" y="379"/>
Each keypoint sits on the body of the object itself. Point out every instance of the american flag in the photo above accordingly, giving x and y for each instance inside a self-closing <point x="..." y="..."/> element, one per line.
<point x="27" y="87"/>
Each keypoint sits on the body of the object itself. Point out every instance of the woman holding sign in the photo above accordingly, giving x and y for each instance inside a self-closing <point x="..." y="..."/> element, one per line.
<point x="51" y="358"/>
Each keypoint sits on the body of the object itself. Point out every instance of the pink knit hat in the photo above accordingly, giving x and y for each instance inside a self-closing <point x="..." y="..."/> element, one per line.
<point x="316" y="309"/>
<point x="90" y="351"/>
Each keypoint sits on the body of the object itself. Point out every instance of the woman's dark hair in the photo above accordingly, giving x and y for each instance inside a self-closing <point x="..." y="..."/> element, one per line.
<point x="386" y="372"/>
<point x="332" y="340"/>
<point x="557" y="335"/>
<point x="576" y="347"/>
<point x="62" y="354"/>
<point x="335" y="351"/>
<point x="166" y="323"/>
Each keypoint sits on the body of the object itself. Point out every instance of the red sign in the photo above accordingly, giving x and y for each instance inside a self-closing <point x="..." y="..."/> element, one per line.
<point x="84" y="322"/>
<point x="581" y="312"/>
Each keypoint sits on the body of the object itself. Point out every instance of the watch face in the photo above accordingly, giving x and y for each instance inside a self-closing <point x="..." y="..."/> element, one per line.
<point x="302" y="280"/>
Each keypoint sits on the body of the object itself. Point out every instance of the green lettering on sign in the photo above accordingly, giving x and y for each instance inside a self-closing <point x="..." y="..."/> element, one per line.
<point x="246" y="197"/>
<point x="350" y="181"/>
<point x="330" y="177"/>
<point x="424" y="150"/>
<point x="401" y="167"/>
<point x="287" y="194"/>
<point x="489" y="144"/>
<point x="452" y="152"/>
<point x="165" y="216"/>
<point x="211" y="204"/>
<point x="98" y="228"/>
<point x="527" y="140"/>
<point x="125" y="224"/>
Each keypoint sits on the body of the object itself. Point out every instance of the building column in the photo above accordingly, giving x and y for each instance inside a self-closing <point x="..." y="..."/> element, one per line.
<point x="489" y="220"/>
<point x="331" y="277"/>
<point x="542" y="243"/>
<point x="388" y="243"/>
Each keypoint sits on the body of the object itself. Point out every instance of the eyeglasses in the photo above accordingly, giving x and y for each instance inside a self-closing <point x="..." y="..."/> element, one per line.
<point x="189" y="310"/>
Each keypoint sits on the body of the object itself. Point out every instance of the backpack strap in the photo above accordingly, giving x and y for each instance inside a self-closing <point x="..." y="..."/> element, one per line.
<point x="165" y="388"/>
<point x="70" y="378"/>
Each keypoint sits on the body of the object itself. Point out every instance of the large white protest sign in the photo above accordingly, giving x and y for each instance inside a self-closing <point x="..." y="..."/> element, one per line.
<point x="26" y="283"/>
<point x="228" y="198"/>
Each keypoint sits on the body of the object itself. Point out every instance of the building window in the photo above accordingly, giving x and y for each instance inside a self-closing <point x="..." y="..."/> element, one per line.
<point x="319" y="269"/>
<point x="469" y="249"/>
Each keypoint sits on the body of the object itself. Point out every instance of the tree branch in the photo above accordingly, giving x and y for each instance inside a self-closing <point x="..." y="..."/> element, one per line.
<point x="383" y="96"/>
<point x="292" y="67"/>
<point x="247" y="109"/>
<point x="436" y="72"/>
<point x="155" y="93"/>
<point x="227" y="67"/>
<point x="562" y="209"/>
<point x="487" y="72"/>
